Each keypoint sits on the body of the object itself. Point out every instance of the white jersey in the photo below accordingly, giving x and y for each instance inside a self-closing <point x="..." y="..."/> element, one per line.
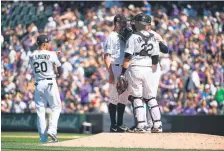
<point x="135" y="44"/>
<point x="155" y="33"/>
<point x="42" y="63"/>
<point x="115" y="47"/>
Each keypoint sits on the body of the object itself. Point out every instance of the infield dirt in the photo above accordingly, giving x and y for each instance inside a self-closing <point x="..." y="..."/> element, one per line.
<point x="147" y="140"/>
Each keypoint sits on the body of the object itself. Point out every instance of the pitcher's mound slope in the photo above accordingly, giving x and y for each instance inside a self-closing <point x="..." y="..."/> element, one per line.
<point x="147" y="140"/>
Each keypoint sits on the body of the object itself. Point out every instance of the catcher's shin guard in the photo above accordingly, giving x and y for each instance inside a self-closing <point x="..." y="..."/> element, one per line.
<point x="155" y="113"/>
<point x="149" y="118"/>
<point x="139" y="111"/>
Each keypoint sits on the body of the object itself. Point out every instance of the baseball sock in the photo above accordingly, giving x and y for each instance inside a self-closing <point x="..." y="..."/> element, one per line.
<point x="112" y="111"/>
<point x="120" y="113"/>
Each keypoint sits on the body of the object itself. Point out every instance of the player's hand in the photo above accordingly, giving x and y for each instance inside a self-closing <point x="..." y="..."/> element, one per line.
<point x="111" y="78"/>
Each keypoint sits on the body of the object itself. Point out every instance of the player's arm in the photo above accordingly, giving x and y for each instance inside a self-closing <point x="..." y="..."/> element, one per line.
<point x="155" y="54"/>
<point x="127" y="58"/>
<point x="57" y="70"/>
<point x="57" y="65"/>
<point x="107" y="53"/>
<point x="29" y="67"/>
<point x="155" y="61"/>
<point x="155" y="57"/>
<point x="107" y="60"/>
<point x="129" y="50"/>
<point x="162" y="44"/>
<point x="163" y="48"/>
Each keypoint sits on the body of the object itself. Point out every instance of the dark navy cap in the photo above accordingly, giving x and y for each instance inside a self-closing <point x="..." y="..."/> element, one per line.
<point x="119" y="18"/>
<point x="42" y="39"/>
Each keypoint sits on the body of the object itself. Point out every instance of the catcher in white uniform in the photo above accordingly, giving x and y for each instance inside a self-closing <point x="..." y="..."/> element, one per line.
<point x="156" y="78"/>
<point x="43" y="64"/>
<point x="141" y="58"/>
<point x="113" y="58"/>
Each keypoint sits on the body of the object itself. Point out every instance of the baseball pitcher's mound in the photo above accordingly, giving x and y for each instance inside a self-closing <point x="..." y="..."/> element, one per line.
<point x="147" y="140"/>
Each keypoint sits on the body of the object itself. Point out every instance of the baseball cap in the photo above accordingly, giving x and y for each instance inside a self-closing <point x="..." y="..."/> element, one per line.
<point x="42" y="39"/>
<point x="119" y="18"/>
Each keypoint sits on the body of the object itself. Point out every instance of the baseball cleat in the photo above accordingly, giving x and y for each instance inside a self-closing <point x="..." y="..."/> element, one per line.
<point x="147" y="129"/>
<point x="132" y="129"/>
<point x="113" y="129"/>
<point x="139" y="130"/>
<point x="122" y="128"/>
<point x="43" y="138"/>
<point x="157" y="130"/>
<point x="53" y="137"/>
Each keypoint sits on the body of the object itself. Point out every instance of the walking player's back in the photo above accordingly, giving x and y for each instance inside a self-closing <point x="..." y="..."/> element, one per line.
<point x="42" y="62"/>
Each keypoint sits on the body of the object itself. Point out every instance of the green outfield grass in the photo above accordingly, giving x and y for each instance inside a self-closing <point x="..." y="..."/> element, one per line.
<point x="27" y="141"/>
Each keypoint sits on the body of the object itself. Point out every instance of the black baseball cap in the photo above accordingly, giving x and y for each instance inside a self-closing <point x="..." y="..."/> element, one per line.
<point x="42" y="39"/>
<point x="119" y="18"/>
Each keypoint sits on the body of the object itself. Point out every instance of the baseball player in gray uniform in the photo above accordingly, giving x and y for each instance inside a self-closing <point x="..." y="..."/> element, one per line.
<point x="113" y="58"/>
<point x="43" y="64"/>
<point x="140" y="60"/>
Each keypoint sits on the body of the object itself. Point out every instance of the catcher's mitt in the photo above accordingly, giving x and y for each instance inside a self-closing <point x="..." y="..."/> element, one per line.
<point x="122" y="84"/>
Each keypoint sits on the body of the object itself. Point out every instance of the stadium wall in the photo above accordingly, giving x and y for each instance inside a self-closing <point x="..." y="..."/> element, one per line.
<point x="100" y="123"/>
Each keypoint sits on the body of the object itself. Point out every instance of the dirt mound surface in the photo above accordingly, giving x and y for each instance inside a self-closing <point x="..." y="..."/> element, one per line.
<point x="147" y="140"/>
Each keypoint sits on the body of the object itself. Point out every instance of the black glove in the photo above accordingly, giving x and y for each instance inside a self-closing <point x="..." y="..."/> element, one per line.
<point x="122" y="84"/>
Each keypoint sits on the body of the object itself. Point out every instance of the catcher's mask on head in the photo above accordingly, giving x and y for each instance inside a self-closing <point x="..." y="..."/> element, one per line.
<point x="141" y="20"/>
